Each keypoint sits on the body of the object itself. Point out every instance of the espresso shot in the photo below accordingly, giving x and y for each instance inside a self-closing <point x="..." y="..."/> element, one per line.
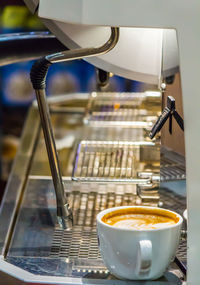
<point x="140" y="219"/>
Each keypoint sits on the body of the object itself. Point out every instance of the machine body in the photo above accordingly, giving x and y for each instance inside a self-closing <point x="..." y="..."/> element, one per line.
<point x="145" y="14"/>
<point x="183" y="17"/>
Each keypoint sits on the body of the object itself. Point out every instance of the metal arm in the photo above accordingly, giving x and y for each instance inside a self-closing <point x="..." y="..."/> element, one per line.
<point x="38" y="77"/>
<point x="20" y="47"/>
<point x="86" y="52"/>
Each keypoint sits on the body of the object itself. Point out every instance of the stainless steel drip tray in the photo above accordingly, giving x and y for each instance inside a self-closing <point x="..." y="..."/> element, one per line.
<point x="60" y="268"/>
<point x="40" y="247"/>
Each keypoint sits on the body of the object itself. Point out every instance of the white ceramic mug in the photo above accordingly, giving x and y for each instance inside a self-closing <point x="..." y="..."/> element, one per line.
<point x="138" y="254"/>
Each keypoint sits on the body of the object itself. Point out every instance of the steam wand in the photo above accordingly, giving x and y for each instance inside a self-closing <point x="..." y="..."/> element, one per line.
<point x="168" y="113"/>
<point x="38" y="78"/>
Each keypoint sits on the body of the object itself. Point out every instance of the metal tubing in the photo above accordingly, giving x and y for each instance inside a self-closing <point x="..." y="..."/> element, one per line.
<point x="86" y="52"/>
<point x="64" y="213"/>
<point x="19" y="47"/>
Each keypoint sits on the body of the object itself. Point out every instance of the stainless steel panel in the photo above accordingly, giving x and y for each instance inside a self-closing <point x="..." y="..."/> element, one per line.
<point x="14" y="188"/>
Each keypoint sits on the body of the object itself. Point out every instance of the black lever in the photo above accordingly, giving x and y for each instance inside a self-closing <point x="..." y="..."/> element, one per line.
<point x="168" y="113"/>
<point x="102" y="77"/>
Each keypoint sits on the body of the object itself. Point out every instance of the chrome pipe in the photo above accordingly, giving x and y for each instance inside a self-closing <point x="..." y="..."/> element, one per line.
<point x="86" y="52"/>
<point x="38" y="78"/>
<point x="64" y="213"/>
<point x="18" y="47"/>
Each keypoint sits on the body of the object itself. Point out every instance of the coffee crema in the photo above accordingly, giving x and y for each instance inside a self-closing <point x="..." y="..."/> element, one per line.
<point x="140" y="219"/>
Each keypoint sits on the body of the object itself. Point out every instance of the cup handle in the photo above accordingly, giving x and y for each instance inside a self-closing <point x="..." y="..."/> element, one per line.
<point x="144" y="258"/>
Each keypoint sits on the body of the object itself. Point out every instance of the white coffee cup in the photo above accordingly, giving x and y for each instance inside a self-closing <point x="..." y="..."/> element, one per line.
<point x="138" y="254"/>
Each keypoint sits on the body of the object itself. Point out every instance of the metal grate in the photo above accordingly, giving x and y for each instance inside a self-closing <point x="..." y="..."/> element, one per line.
<point x="109" y="102"/>
<point x="172" y="170"/>
<point x="175" y="203"/>
<point x="121" y="118"/>
<point x="120" y="109"/>
<point x="81" y="242"/>
<point x="182" y="251"/>
<point x="113" y="160"/>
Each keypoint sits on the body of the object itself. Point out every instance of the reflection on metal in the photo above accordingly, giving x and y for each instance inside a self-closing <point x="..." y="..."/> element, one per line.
<point x="13" y="194"/>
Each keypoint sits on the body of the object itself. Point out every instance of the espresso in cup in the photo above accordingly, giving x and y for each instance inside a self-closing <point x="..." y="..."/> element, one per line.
<point x="140" y="219"/>
<point x="138" y="242"/>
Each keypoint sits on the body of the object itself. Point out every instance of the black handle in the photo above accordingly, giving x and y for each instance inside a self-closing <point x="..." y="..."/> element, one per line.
<point x="160" y="122"/>
<point x="168" y="113"/>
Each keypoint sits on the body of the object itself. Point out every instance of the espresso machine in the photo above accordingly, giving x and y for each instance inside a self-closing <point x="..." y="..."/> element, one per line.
<point x="105" y="155"/>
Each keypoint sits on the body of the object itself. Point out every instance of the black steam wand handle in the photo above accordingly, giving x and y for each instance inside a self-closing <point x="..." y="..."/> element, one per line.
<point x="160" y="122"/>
<point x="168" y="113"/>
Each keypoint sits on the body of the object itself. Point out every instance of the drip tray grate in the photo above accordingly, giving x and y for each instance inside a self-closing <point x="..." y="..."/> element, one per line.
<point x="81" y="242"/>
<point x="172" y="170"/>
<point x="80" y="245"/>
<point x="172" y="166"/>
<point x="112" y="160"/>
<point x="120" y="118"/>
